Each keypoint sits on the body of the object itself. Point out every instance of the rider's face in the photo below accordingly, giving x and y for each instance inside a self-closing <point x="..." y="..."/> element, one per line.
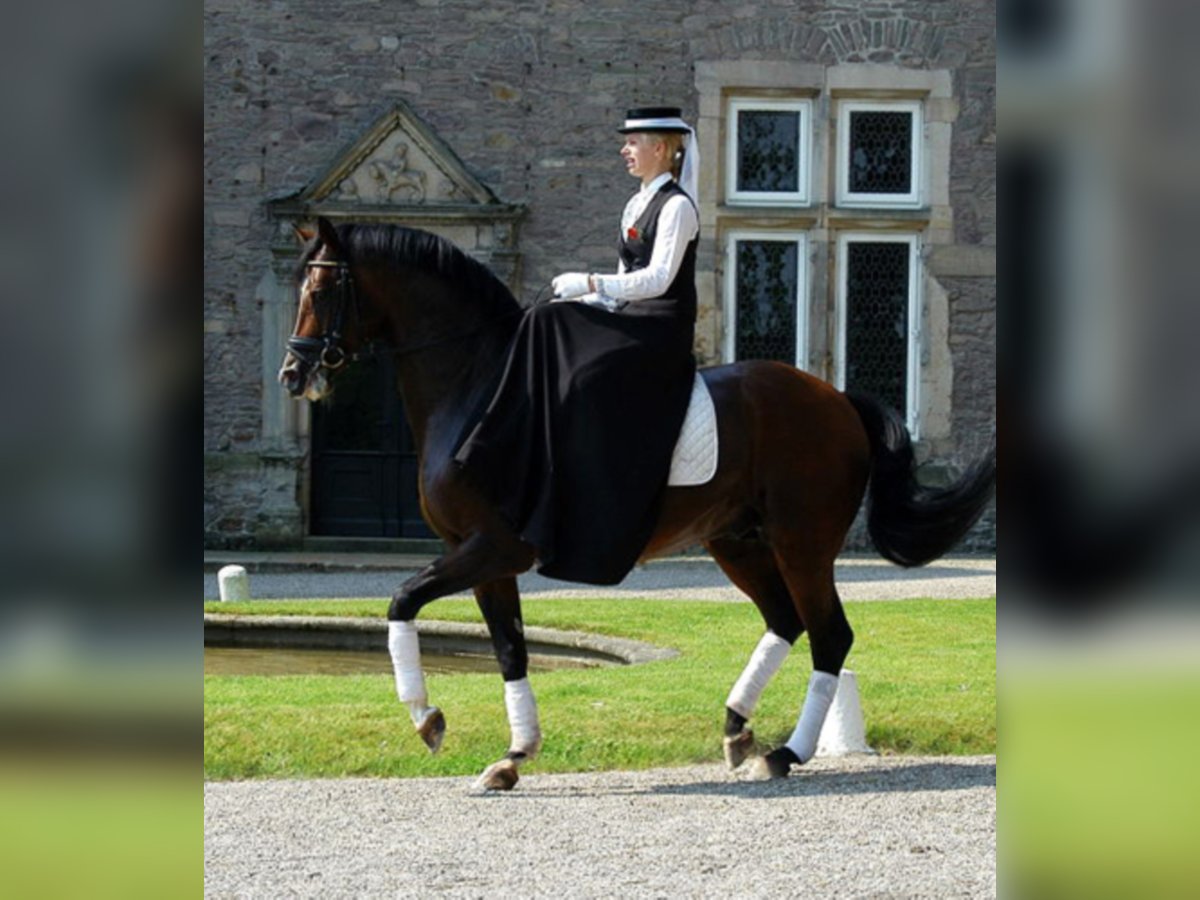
<point x="644" y="155"/>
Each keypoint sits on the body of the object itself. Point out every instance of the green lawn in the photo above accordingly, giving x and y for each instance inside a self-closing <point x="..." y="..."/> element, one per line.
<point x="926" y="675"/>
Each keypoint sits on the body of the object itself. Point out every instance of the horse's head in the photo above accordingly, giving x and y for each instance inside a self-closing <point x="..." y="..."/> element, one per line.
<point x="324" y="337"/>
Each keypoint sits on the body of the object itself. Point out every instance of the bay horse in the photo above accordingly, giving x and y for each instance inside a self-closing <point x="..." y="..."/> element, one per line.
<point x="795" y="461"/>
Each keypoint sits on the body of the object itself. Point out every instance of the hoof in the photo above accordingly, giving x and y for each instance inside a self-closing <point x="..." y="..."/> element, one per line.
<point x="432" y="729"/>
<point x="739" y="747"/>
<point x="775" y="765"/>
<point x="499" y="776"/>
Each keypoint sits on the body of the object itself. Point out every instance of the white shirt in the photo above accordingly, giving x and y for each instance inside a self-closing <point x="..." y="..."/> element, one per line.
<point x="677" y="227"/>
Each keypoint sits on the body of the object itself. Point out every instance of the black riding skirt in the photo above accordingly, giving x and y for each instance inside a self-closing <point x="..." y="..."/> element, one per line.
<point x="575" y="447"/>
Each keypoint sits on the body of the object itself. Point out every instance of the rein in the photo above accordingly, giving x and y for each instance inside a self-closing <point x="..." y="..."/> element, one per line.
<point x="327" y="350"/>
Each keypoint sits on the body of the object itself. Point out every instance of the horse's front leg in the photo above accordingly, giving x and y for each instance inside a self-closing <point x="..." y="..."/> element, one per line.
<point x="477" y="559"/>
<point x="500" y="604"/>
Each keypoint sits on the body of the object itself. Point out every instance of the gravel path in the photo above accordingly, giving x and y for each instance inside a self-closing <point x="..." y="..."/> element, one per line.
<point x="696" y="578"/>
<point x="843" y="827"/>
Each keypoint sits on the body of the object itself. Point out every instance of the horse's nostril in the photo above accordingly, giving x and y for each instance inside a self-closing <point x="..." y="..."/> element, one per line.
<point x="290" y="379"/>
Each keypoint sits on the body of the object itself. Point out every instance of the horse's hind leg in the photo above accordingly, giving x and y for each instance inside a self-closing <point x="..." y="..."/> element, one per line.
<point x="750" y="564"/>
<point x="500" y="603"/>
<point x="810" y="580"/>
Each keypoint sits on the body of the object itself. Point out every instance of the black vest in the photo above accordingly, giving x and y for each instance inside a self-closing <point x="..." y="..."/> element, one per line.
<point x="636" y="251"/>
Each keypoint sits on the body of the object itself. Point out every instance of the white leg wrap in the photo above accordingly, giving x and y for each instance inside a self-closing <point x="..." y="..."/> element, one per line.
<point x="765" y="661"/>
<point x="405" y="648"/>
<point x="821" y="688"/>
<point x="522" y="717"/>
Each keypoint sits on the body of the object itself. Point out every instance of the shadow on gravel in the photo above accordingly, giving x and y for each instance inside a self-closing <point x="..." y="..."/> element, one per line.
<point x="919" y="777"/>
<point x="811" y="783"/>
<point x="886" y="572"/>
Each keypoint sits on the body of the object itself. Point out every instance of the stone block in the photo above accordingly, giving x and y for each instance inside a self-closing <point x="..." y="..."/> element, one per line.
<point x="505" y="93"/>
<point x="400" y="86"/>
<point x="248" y="173"/>
<point x="499" y="140"/>
<point x="231" y="218"/>
<point x="860" y="77"/>
<point x="963" y="261"/>
<point x="941" y="109"/>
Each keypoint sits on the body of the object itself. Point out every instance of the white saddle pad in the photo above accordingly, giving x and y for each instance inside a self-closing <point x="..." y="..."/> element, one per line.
<point x="695" y="458"/>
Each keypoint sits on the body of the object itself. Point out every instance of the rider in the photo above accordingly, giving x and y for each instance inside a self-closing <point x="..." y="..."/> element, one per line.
<point x="575" y="445"/>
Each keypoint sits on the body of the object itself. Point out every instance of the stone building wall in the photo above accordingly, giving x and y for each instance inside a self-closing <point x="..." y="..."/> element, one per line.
<point x="528" y="93"/>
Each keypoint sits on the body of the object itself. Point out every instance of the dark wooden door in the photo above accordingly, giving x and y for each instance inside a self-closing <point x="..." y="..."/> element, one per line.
<point x="364" y="464"/>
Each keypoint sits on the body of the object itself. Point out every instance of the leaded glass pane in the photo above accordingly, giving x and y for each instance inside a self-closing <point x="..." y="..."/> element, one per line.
<point x="881" y="152"/>
<point x="877" y="320"/>
<point x="768" y="151"/>
<point x="765" y="326"/>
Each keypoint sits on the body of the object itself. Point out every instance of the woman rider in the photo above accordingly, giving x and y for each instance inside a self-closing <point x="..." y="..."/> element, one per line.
<point x="576" y="443"/>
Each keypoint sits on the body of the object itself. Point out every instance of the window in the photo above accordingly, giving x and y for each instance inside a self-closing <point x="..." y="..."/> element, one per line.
<point x="765" y="309"/>
<point x="833" y="180"/>
<point x="768" y="152"/>
<point x="879" y="317"/>
<point x="879" y="153"/>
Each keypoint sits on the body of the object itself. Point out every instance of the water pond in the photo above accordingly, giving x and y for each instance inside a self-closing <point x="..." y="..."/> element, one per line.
<point x="328" y="661"/>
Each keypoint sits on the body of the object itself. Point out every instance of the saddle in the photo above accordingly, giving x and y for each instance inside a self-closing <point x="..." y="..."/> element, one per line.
<point x="695" y="458"/>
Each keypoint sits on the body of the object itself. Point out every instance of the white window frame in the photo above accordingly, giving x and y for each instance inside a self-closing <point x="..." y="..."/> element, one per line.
<point x="802" y="195"/>
<point x="913" y="400"/>
<point x="800" y="238"/>
<point x="914" y="197"/>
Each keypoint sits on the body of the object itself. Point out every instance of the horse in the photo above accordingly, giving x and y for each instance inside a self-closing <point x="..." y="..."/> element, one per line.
<point x="797" y="459"/>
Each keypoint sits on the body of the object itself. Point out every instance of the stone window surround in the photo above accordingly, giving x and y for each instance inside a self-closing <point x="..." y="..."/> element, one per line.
<point x="823" y="220"/>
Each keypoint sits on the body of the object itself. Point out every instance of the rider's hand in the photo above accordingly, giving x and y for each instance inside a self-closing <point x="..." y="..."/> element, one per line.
<point x="571" y="284"/>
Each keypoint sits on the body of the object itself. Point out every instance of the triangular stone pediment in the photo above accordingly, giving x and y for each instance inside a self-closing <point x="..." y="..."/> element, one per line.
<point x="398" y="162"/>
<point x="400" y="172"/>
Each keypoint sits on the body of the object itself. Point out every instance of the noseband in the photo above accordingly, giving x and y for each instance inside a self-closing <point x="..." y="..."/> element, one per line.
<point x="327" y="350"/>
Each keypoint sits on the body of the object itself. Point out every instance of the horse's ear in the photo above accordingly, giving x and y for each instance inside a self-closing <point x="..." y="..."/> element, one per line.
<point x="328" y="235"/>
<point x="303" y="235"/>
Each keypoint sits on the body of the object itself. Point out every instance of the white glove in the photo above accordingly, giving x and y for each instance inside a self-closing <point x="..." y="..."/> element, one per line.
<point x="601" y="301"/>
<point x="571" y="284"/>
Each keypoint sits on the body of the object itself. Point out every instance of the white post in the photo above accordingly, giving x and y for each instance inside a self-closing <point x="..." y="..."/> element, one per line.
<point x="844" y="730"/>
<point x="233" y="583"/>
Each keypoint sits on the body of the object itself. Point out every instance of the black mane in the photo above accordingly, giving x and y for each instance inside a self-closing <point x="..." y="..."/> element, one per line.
<point x="400" y="247"/>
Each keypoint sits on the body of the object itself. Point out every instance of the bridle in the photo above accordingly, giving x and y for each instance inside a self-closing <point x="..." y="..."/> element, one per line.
<point x="327" y="350"/>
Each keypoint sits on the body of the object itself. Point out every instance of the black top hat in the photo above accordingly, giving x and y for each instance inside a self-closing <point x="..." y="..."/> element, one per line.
<point x="655" y="118"/>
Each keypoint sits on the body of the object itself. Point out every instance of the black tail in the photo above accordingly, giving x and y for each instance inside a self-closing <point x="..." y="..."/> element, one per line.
<point x="909" y="524"/>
